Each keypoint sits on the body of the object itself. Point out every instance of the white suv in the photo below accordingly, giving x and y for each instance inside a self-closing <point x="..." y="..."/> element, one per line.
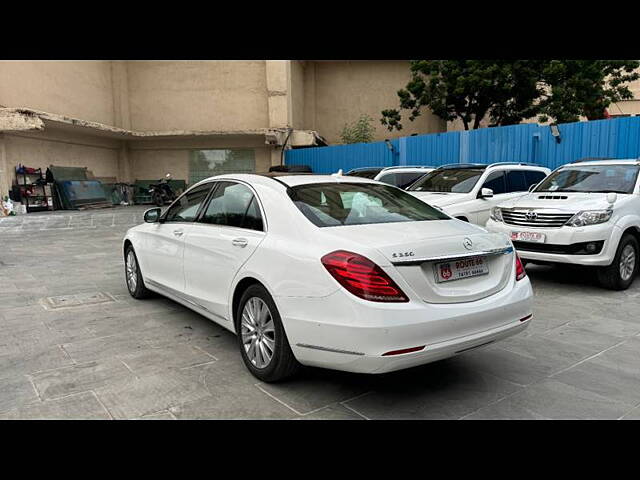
<point x="402" y="176"/>
<point x="469" y="191"/>
<point x="585" y="213"/>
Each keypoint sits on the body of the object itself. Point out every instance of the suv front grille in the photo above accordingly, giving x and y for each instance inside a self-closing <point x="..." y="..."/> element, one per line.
<point x="532" y="218"/>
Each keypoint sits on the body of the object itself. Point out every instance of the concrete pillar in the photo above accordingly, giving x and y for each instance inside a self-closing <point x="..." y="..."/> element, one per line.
<point x="120" y="91"/>
<point x="5" y="174"/>
<point x="125" y="164"/>
<point x="278" y="74"/>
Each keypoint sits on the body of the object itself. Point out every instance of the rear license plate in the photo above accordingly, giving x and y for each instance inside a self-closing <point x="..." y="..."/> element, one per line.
<point x="463" y="268"/>
<point x="528" y="237"/>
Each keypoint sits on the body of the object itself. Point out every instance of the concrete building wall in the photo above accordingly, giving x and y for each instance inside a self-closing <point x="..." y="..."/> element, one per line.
<point x="339" y="92"/>
<point x="197" y="95"/>
<point x="62" y="148"/>
<point x="153" y="158"/>
<point x="81" y="89"/>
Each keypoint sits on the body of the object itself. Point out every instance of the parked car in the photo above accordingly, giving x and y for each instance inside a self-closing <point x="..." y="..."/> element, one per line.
<point x="469" y="191"/>
<point x="364" y="172"/>
<point x="311" y="270"/>
<point x="402" y="176"/>
<point x="585" y="213"/>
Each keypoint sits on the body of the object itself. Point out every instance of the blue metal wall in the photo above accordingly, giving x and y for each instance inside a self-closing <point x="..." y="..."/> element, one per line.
<point x="615" y="138"/>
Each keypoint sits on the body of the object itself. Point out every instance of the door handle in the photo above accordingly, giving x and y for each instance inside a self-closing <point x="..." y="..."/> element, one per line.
<point x="239" y="242"/>
<point x="178" y="233"/>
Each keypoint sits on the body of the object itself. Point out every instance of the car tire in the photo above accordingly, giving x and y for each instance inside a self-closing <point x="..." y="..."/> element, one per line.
<point x="133" y="275"/>
<point x="620" y="274"/>
<point x="269" y="334"/>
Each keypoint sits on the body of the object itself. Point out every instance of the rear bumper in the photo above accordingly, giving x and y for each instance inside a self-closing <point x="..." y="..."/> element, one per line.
<point x="343" y="333"/>
<point x="566" y="236"/>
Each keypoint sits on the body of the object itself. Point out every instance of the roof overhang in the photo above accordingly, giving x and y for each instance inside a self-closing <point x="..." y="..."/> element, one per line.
<point x="26" y="119"/>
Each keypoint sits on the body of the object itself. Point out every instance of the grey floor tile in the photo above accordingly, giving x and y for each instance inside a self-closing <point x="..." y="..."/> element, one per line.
<point x="150" y="394"/>
<point x="443" y="390"/>
<point x="316" y="388"/>
<point x="332" y="412"/>
<point x="556" y="400"/>
<point x="81" y="377"/>
<point x="15" y="392"/>
<point x="84" y="406"/>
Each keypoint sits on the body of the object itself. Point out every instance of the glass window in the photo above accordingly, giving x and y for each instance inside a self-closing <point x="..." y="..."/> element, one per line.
<point x="401" y="179"/>
<point x="186" y="207"/>
<point x="592" y="178"/>
<point x="334" y="204"/>
<point x="516" y="181"/>
<point x="533" y="177"/>
<point x="495" y="181"/>
<point x="453" y="180"/>
<point x="365" y="173"/>
<point x="233" y="204"/>
<point x="206" y="163"/>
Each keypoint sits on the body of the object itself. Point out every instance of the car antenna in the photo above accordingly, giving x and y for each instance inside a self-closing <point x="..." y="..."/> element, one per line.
<point x="337" y="174"/>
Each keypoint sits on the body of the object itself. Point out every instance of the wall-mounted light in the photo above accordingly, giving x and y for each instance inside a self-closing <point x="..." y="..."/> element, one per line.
<point x="389" y="145"/>
<point x="555" y="131"/>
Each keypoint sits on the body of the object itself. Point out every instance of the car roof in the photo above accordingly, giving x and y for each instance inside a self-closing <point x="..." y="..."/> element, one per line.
<point x="287" y="179"/>
<point x="621" y="161"/>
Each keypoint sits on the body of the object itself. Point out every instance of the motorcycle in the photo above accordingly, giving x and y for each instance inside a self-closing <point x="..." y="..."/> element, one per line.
<point x="161" y="192"/>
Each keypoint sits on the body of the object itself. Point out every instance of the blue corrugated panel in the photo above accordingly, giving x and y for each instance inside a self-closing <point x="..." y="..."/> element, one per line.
<point x="435" y="149"/>
<point x="614" y="138"/>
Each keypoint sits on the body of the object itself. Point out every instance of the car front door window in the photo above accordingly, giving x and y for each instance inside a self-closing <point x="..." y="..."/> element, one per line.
<point x="495" y="181"/>
<point x="186" y="207"/>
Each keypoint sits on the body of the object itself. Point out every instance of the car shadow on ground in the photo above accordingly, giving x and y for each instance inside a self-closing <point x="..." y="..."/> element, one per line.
<point x="573" y="275"/>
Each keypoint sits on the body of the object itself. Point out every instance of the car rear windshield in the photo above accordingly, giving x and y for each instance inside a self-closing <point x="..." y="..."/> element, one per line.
<point x="335" y="204"/>
<point x="370" y="173"/>
<point x="450" y="180"/>
<point x="592" y="178"/>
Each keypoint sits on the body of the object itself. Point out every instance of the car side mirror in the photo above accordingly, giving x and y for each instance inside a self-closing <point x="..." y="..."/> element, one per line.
<point x="152" y="215"/>
<point x="486" y="193"/>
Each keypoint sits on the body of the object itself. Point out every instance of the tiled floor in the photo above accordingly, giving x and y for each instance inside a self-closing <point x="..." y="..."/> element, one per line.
<point x="154" y="359"/>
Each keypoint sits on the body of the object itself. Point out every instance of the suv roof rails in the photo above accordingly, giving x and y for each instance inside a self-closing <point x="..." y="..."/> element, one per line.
<point x="408" y="166"/>
<point x="463" y="165"/>
<point x="599" y="159"/>
<point x="528" y="164"/>
<point x="365" y="168"/>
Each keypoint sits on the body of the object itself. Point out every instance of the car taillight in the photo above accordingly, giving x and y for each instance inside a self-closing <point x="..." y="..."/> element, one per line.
<point x="362" y="277"/>
<point x="520" y="271"/>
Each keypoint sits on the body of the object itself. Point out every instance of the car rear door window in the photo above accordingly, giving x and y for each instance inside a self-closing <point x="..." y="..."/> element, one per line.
<point x="185" y="209"/>
<point x="516" y="181"/>
<point x="234" y="205"/>
<point x="495" y="181"/>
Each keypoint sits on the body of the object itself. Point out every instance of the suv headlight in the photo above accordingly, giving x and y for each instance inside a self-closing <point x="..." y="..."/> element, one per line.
<point x="589" y="217"/>
<point x="496" y="214"/>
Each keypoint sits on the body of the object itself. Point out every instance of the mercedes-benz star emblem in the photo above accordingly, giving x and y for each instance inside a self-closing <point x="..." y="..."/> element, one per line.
<point x="531" y="215"/>
<point x="468" y="244"/>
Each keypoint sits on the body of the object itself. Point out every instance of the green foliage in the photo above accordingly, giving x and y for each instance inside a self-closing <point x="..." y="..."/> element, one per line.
<point x="577" y="88"/>
<point x="360" y="131"/>
<point x="509" y="91"/>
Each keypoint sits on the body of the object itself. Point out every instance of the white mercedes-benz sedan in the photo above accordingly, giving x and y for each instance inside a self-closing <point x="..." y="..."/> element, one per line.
<point x="329" y="271"/>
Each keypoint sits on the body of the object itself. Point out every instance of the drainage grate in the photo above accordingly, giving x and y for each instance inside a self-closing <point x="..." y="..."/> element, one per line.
<point x="76" y="300"/>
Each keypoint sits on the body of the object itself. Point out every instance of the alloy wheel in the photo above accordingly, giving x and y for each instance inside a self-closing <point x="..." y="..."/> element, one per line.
<point x="627" y="262"/>
<point x="132" y="271"/>
<point x="258" y="332"/>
